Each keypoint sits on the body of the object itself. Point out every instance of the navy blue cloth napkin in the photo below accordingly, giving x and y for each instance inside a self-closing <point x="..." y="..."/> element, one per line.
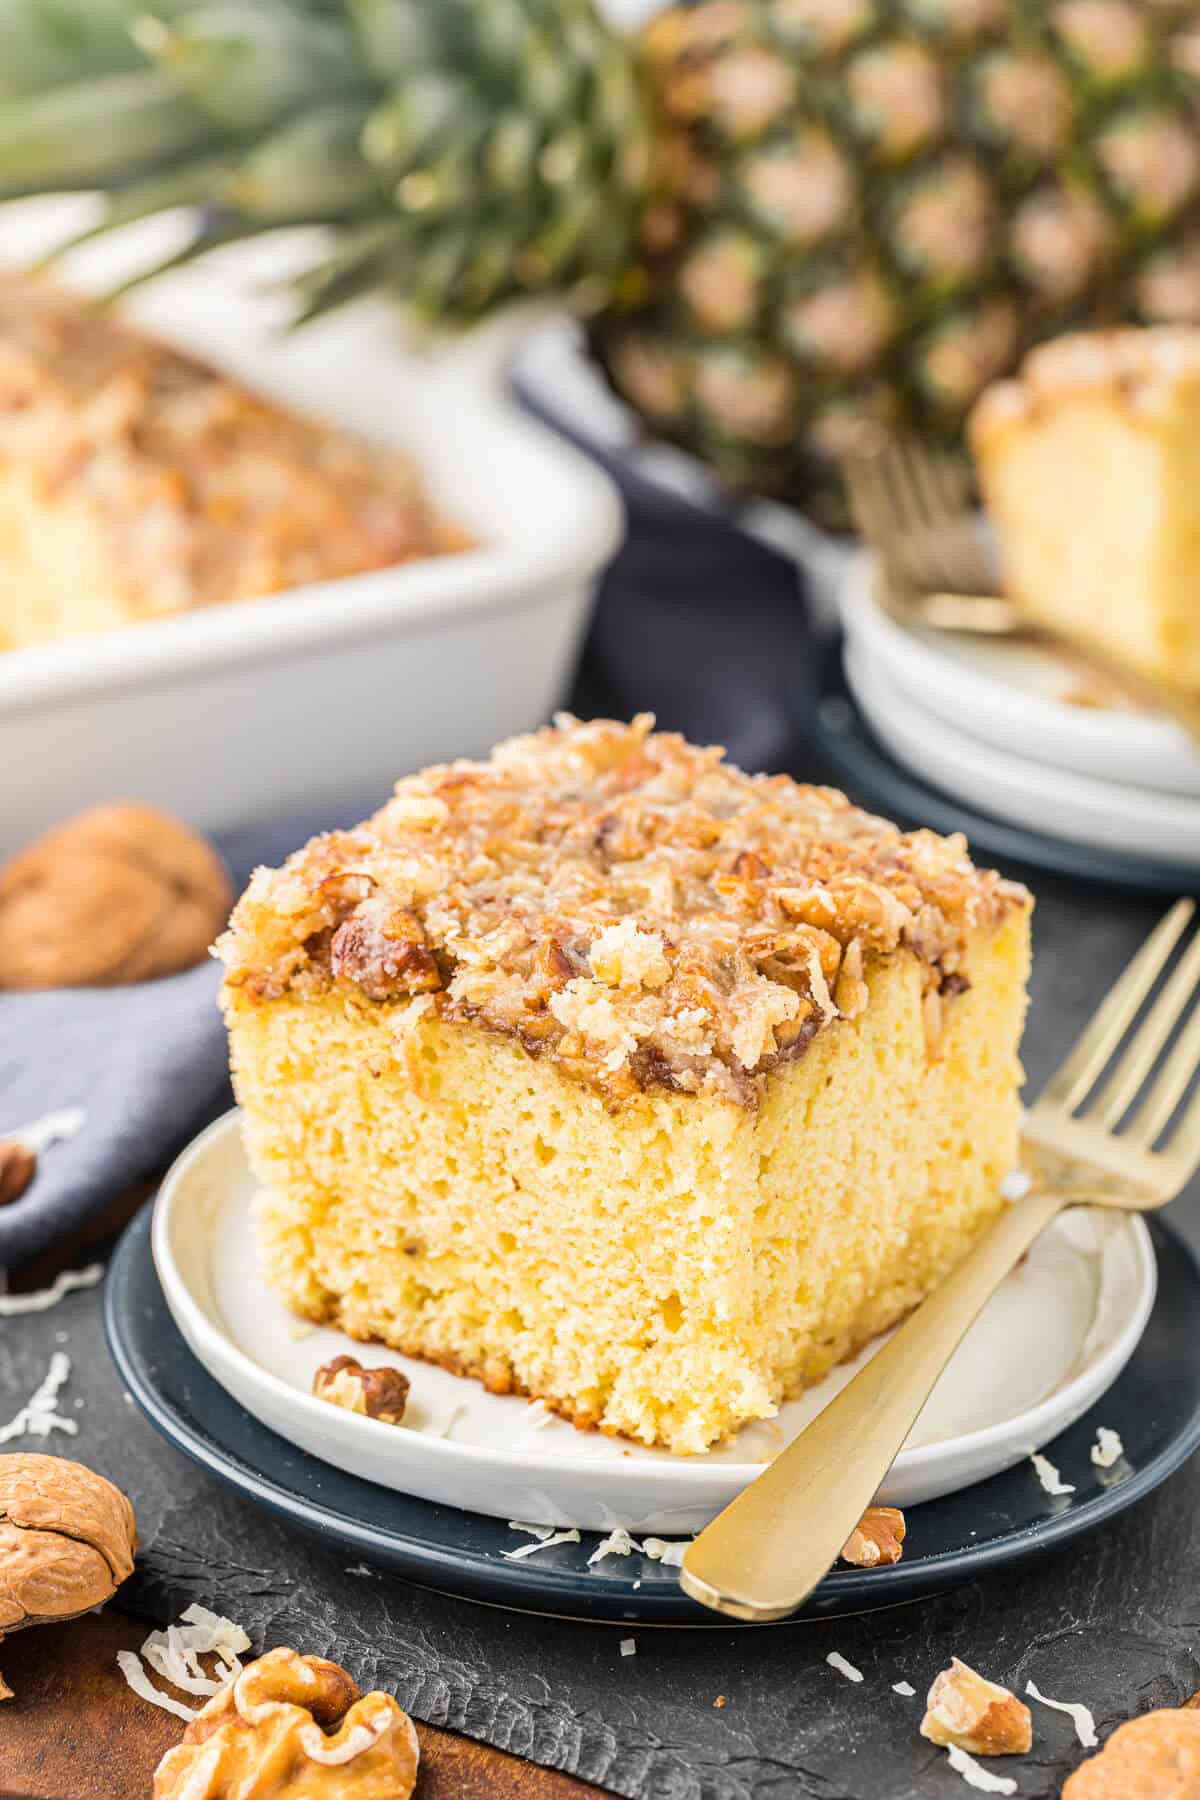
<point x="694" y="622"/>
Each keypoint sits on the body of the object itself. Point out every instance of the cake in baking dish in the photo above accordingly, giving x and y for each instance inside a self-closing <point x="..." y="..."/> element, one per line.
<point x="136" y="483"/>
<point x="1090" y="468"/>
<point x="616" y="1077"/>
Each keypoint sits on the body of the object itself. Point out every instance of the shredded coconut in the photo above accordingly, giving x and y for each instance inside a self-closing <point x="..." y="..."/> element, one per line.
<point x="37" y="1418"/>
<point x="628" y="1646"/>
<point x="557" y="1537"/>
<point x="54" y="1128"/>
<point x="837" y="1661"/>
<point x="1107" y="1448"/>
<point x="538" y="1415"/>
<point x="174" y="1654"/>
<point x="362" y="1569"/>
<point x="668" y="1551"/>
<point x="12" y="1305"/>
<point x="1079" y="1715"/>
<point x="905" y="1688"/>
<point x="1016" y="1185"/>
<point x="541" y="1532"/>
<point x="130" y="1665"/>
<point x="977" y="1777"/>
<point x="441" y="1428"/>
<point x="617" y="1543"/>
<point x="1049" y="1476"/>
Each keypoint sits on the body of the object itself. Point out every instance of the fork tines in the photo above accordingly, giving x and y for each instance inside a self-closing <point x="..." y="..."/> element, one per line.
<point x="1156" y="1064"/>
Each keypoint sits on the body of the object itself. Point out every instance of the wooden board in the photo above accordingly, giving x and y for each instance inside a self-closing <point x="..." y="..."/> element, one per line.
<point x="75" y="1731"/>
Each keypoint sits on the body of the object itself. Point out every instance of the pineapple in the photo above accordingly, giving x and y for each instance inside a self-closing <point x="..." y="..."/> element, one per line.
<point x="782" y="217"/>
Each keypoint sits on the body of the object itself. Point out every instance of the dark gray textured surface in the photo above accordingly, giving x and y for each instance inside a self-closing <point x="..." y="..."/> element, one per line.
<point x="1114" y="1621"/>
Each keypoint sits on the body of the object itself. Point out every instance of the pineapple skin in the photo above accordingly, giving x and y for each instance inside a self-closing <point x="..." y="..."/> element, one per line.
<point x="867" y="210"/>
<point x="785" y="218"/>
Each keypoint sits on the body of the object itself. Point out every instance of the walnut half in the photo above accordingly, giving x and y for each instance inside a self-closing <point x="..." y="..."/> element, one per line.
<point x="67" y="1541"/>
<point x="376" y="1393"/>
<point x="877" y="1538"/>
<point x="979" y="1716"/>
<point x="293" y="1728"/>
<point x="1156" y="1757"/>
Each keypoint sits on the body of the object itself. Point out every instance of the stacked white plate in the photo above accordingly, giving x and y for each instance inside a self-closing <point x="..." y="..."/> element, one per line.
<point x="993" y="723"/>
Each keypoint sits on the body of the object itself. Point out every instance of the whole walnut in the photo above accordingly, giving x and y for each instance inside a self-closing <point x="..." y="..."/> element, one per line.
<point x="293" y="1728"/>
<point x="67" y="1541"/>
<point x="121" y="893"/>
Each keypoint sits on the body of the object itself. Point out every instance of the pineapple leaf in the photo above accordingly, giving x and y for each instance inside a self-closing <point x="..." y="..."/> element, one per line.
<point x="247" y="66"/>
<point x="93" y="132"/>
<point x="309" y="168"/>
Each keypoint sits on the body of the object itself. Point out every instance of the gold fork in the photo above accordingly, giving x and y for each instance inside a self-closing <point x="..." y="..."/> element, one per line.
<point x="912" y="507"/>
<point x="764" y="1554"/>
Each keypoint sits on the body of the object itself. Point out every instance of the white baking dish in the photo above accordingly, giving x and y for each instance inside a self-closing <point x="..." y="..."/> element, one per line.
<point x="325" y="692"/>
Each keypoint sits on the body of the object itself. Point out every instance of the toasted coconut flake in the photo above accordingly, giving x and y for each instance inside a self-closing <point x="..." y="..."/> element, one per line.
<point x="1049" y="1476"/>
<point x="556" y="1537"/>
<point x="131" y="1667"/>
<point x="14" y="1305"/>
<point x="37" y="1418"/>
<point x="1079" y="1715"/>
<point x="617" y="1543"/>
<point x="1108" y="1448"/>
<point x="837" y="1661"/>
<point x="668" y="1551"/>
<point x="977" y="1777"/>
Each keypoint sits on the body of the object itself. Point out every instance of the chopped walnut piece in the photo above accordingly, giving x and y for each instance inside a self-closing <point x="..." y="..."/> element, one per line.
<point x="376" y="1393"/>
<point x="18" y="1166"/>
<point x="977" y="1715"/>
<point x="1156" y="1757"/>
<point x="293" y="1728"/>
<point x="383" y="948"/>
<point x="877" y="1538"/>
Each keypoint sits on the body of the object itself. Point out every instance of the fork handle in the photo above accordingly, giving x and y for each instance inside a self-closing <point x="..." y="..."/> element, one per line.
<point x="762" y="1556"/>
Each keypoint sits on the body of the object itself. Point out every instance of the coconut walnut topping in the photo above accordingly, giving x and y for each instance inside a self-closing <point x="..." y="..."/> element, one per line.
<point x="293" y="1728"/>
<point x="623" y="901"/>
<point x="976" y="1715"/>
<point x="376" y="1393"/>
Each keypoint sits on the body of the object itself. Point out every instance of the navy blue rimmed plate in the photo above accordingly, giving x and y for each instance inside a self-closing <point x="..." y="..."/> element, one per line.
<point x="1154" y="1405"/>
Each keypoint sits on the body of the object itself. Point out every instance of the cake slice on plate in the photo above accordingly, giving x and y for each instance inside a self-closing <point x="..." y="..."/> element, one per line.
<point x="1090" y="468"/>
<point x="616" y="1077"/>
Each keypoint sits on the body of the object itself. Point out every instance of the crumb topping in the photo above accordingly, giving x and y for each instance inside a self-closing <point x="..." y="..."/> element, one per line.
<point x="204" y="491"/>
<point x="1139" y="369"/>
<point x="621" y="900"/>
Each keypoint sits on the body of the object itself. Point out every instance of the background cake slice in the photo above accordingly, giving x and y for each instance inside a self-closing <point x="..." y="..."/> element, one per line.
<point x="1090" y="468"/>
<point x="613" y="1076"/>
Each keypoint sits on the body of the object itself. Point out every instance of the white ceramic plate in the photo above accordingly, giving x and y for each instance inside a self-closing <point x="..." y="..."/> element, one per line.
<point x="1109" y="815"/>
<point x="236" y="713"/>
<point x="1052" y="1341"/>
<point x="1005" y="694"/>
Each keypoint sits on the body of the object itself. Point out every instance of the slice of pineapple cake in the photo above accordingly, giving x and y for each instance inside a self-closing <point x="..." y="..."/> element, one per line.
<point x="613" y="1076"/>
